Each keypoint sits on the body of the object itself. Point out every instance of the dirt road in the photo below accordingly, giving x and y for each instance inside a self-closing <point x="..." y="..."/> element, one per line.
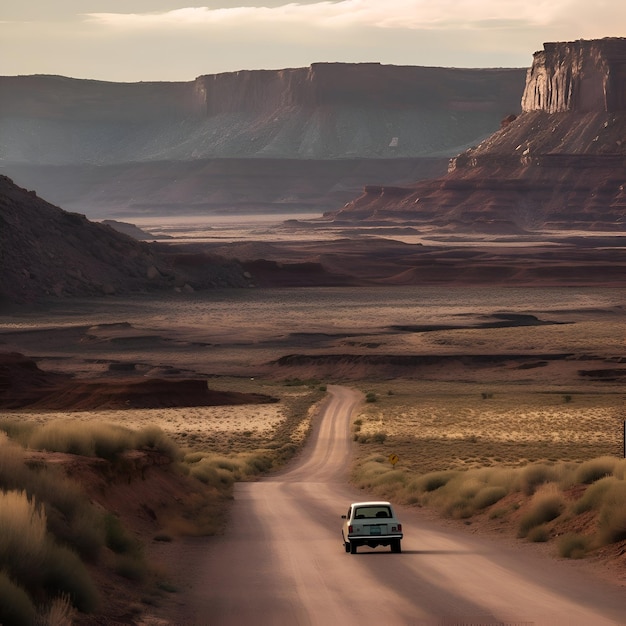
<point x="281" y="560"/>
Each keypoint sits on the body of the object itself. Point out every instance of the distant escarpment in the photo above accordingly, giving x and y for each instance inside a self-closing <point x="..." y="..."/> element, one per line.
<point x="46" y="252"/>
<point x="560" y="164"/>
<point x="107" y="148"/>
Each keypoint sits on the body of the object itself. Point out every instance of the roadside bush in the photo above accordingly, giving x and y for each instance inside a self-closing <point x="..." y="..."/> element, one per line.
<point x="33" y="560"/>
<point x="433" y="480"/>
<point x="534" y="475"/>
<point x="15" y="605"/>
<point x="22" y="535"/>
<point x="487" y="496"/>
<point x="545" y="506"/>
<point x="572" y="546"/>
<point x="377" y="437"/>
<point x="595" y="469"/>
<point x="538" y="534"/>
<point x="612" y="515"/>
<point x="106" y="441"/>
<point x="59" y="613"/>
<point x="594" y="496"/>
<point x="64" y="572"/>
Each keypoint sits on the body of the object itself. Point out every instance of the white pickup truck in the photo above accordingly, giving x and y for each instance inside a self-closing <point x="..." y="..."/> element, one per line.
<point x="371" y="524"/>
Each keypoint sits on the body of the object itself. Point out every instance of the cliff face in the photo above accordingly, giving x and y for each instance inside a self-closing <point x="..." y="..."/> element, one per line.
<point x="325" y="111"/>
<point x="139" y="143"/>
<point x="560" y="164"/>
<point x="581" y="76"/>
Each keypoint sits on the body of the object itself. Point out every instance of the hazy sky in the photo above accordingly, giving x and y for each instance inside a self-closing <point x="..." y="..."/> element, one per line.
<point x="175" y="40"/>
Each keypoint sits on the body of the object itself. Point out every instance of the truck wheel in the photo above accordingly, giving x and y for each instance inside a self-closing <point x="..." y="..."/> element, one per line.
<point x="352" y="547"/>
<point x="396" y="546"/>
<point x="346" y="545"/>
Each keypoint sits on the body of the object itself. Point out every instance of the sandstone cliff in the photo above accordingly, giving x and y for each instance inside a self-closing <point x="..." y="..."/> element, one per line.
<point x="560" y="164"/>
<point x="100" y="148"/>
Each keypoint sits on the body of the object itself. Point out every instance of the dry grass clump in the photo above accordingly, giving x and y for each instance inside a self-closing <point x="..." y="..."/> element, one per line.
<point x="96" y="439"/>
<point x="34" y="563"/>
<point x="545" y="505"/>
<point x="572" y="546"/>
<point x="221" y="471"/>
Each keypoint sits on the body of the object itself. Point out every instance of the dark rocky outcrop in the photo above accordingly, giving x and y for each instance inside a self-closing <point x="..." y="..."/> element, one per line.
<point x="24" y="385"/>
<point x="48" y="252"/>
<point x="561" y="164"/>
<point x="106" y="149"/>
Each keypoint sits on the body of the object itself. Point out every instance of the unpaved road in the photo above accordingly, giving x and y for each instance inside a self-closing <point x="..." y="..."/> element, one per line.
<point x="282" y="562"/>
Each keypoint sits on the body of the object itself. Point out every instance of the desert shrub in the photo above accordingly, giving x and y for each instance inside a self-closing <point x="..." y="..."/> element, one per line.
<point x="87" y="439"/>
<point x="154" y="438"/>
<point x="532" y="476"/>
<point x="97" y="439"/>
<point x="538" y="534"/>
<point x="619" y="471"/>
<point x="59" y="613"/>
<point x="593" y="470"/>
<point x="594" y="496"/>
<point x="458" y="508"/>
<point x="487" y="496"/>
<point x="17" y="431"/>
<point x="572" y="546"/>
<point x="15" y="605"/>
<point x="32" y="558"/>
<point x="64" y="572"/>
<point x="86" y="534"/>
<point x="22" y="535"/>
<point x="433" y="480"/>
<point x="546" y="505"/>
<point x="370" y="396"/>
<point x="377" y="437"/>
<point x="612" y="514"/>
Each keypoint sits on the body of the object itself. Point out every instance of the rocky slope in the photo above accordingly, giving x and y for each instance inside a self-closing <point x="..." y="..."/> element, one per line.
<point x="559" y="165"/>
<point x="102" y="148"/>
<point x="46" y="251"/>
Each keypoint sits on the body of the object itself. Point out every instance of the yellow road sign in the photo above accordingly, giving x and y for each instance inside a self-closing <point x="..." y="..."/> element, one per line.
<point x="393" y="458"/>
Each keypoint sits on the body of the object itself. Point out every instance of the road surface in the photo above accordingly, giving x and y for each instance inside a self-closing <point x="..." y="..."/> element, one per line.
<point x="282" y="562"/>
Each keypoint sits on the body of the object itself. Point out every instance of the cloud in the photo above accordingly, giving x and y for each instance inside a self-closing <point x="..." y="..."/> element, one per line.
<point x="396" y="14"/>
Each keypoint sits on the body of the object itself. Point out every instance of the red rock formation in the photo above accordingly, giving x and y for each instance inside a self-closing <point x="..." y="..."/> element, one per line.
<point x="580" y="76"/>
<point x="561" y="164"/>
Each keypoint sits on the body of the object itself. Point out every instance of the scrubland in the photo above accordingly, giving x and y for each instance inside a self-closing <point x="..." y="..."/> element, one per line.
<point x="60" y="535"/>
<point x="544" y="464"/>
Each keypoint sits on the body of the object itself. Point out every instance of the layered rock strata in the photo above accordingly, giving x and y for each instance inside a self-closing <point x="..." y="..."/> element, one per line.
<point x="106" y="149"/>
<point x="561" y="164"/>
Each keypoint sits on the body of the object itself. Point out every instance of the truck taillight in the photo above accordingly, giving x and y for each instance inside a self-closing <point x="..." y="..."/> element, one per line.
<point x="350" y="529"/>
<point x="396" y="529"/>
<point x="399" y="528"/>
